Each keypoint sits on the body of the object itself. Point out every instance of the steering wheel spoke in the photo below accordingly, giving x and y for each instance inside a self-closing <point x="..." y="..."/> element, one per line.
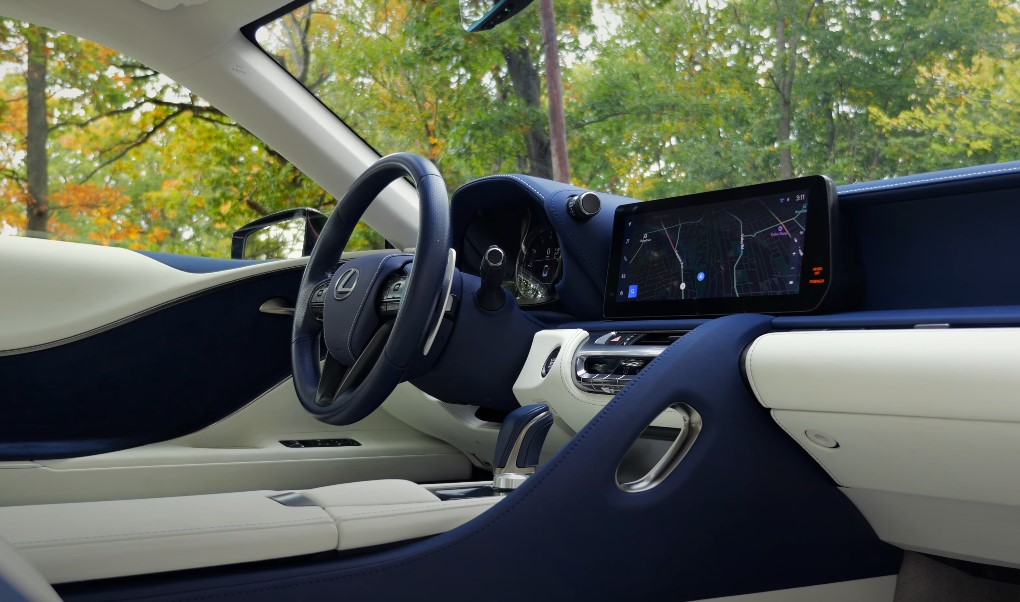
<point x="373" y="351"/>
<point x="333" y="373"/>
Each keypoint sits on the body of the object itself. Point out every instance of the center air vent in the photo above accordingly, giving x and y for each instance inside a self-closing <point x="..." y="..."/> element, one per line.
<point x="608" y="364"/>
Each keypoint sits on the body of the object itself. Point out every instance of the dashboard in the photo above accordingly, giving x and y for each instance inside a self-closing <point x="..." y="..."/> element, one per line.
<point x="523" y="232"/>
<point x="768" y="248"/>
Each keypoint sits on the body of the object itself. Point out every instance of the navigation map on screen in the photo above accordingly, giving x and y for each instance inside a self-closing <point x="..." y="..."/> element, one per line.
<point x="737" y="248"/>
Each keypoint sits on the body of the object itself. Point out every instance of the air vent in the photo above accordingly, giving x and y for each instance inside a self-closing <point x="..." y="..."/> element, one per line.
<point x="610" y="362"/>
<point x="663" y="338"/>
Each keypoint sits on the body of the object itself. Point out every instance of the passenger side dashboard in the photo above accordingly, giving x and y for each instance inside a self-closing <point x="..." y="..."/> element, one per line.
<point x="907" y="399"/>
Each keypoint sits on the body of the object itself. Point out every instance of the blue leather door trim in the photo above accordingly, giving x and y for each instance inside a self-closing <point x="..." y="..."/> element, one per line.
<point x="160" y="376"/>
<point x="746" y="511"/>
<point x="198" y="265"/>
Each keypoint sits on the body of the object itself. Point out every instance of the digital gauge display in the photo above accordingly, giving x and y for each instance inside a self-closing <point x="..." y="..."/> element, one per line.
<point x="538" y="266"/>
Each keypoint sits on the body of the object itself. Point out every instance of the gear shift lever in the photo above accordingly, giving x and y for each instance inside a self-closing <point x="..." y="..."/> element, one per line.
<point x="519" y="445"/>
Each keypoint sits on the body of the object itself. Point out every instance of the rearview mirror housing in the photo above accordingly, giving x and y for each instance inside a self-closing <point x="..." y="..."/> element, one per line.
<point x="479" y="15"/>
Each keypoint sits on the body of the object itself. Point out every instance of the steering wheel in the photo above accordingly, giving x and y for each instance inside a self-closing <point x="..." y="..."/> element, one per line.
<point x="368" y="353"/>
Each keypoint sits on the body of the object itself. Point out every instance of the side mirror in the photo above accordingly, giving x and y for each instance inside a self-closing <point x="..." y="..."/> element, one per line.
<point x="287" y="233"/>
<point x="479" y="15"/>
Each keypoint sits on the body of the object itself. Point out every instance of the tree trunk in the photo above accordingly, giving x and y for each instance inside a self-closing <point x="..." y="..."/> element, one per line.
<point x="527" y="85"/>
<point x="37" y="161"/>
<point x="785" y="85"/>
<point x="554" y="86"/>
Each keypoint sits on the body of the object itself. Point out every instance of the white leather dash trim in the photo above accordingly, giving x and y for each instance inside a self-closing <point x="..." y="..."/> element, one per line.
<point x="97" y="540"/>
<point x="574" y="406"/>
<point x="967" y="373"/>
<point x="979" y="532"/>
<point x="921" y="426"/>
<point x="877" y="589"/>
<point x="974" y="460"/>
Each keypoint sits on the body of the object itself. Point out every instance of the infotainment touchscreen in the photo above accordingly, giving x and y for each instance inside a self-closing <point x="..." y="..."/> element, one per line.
<point x="762" y="248"/>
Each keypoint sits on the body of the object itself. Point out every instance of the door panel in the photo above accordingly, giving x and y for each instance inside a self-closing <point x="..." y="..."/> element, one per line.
<point x="130" y="378"/>
<point x="243" y="453"/>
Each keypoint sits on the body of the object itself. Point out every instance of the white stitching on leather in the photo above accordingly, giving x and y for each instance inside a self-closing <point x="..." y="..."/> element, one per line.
<point x="533" y="189"/>
<point x="419" y="508"/>
<point x="749" y="371"/>
<point x="511" y="176"/>
<point x="350" y="333"/>
<point x="323" y="520"/>
<point x="959" y="177"/>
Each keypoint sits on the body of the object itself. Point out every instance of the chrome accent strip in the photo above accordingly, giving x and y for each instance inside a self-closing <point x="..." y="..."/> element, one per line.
<point x="600" y="383"/>
<point x="511" y="476"/>
<point x="346" y="283"/>
<point x="673" y="456"/>
<point x="451" y="261"/>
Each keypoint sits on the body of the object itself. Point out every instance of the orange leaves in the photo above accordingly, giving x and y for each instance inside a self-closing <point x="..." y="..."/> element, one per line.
<point x="95" y="213"/>
<point x="158" y="234"/>
<point x="88" y="198"/>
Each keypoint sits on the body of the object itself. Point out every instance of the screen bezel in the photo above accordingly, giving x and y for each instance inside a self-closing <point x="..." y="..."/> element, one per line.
<point x="818" y="251"/>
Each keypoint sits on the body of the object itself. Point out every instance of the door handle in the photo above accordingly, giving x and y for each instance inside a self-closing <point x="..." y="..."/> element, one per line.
<point x="277" y="307"/>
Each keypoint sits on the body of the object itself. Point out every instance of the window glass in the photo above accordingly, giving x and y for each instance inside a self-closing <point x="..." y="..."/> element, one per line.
<point x="664" y="98"/>
<point x="96" y="147"/>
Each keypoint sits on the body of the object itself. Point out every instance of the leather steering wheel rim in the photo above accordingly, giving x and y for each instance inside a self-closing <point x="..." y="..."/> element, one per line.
<point x="417" y="309"/>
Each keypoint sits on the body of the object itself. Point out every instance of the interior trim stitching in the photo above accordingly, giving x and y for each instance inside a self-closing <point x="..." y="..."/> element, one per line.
<point x="428" y="507"/>
<point x="749" y="370"/>
<point x="144" y="313"/>
<point x="909" y="183"/>
<point x="586" y="260"/>
<point x="323" y="520"/>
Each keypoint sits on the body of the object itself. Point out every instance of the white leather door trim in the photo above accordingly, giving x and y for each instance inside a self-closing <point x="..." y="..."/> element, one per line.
<point x="240" y="453"/>
<point x="55" y="292"/>
<point x="98" y="540"/>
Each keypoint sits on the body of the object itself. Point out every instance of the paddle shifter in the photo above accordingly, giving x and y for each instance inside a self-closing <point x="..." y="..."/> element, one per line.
<point x="519" y="445"/>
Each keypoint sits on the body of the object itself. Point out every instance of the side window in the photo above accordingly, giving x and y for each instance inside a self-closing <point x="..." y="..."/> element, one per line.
<point x="98" y="148"/>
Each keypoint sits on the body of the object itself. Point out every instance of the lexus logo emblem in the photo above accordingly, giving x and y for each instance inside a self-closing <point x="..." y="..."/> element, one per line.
<point x="345" y="284"/>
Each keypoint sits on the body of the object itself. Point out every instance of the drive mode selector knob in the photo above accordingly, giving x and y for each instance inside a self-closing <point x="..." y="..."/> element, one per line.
<point x="583" y="206"/>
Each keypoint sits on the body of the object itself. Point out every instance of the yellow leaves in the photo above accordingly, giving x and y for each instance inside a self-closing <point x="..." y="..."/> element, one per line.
<point x="225" y="207"/>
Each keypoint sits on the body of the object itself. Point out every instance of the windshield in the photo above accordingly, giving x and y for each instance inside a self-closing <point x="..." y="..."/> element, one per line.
<point x="663" y="98"/>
